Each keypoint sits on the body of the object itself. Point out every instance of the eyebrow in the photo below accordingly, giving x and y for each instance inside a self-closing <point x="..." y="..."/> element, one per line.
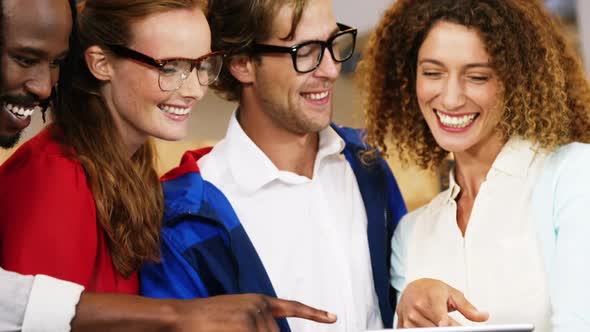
<point x="471" y="65"/>
<point x="333" y="32"/>
<point x="37" y="52"/>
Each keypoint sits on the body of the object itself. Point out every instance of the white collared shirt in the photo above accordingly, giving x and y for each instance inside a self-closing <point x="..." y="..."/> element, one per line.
<point x="311" y="234"/>
<point x="498" y="264"/>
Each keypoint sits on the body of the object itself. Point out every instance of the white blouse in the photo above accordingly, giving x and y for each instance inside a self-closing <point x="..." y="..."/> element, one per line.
<point x="498" y="264"/>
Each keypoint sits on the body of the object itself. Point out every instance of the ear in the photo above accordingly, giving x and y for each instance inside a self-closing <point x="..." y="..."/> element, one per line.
<point x="98" y="62"/>
<point x="242" y="68"/>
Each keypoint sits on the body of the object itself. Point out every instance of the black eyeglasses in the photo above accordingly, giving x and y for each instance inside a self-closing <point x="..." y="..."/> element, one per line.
<point x="173" y="72"/>
<point x="308" y="55"/>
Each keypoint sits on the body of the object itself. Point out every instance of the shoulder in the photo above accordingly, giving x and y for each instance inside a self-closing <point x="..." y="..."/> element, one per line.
<point x="561" y="187"/>
<point x="406" y="224"/>
<point x="356" y="147"/>
<point x="42" y="171"/>
<point x="192" y="220"/>
<point x="571" y="153"/>
<point x="42" y="157"/>
<point x="45" y="191"/>
<point x="428" y="212"/>
<point x="408" y="221"/>
<point x="352" y="136"/>
<point x="569" y="163"/>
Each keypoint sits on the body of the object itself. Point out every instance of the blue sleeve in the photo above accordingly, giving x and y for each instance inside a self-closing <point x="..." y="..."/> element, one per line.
<point x="174" y="276"/>
<point x="569" y="271"/>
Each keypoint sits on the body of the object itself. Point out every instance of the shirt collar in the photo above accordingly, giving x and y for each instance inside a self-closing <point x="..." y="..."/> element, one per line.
<point x="252" y="169"/>
<point x="514" y="159"/>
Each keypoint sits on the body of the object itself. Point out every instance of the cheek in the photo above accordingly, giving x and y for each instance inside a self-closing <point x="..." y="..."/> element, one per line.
<point x="140" y="86"/>
<point x="54" y="76"/>
<point x="13" y="76"/>
<point x="425" y="90"/>
<point x="488" y="100"/>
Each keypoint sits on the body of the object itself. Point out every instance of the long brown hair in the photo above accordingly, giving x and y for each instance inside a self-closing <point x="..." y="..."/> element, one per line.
<point x="545" y="92"/>
<point x="126" y="191"/>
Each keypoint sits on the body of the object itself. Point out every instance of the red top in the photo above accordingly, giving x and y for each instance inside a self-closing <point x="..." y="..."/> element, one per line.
<point x="48" y="220"/>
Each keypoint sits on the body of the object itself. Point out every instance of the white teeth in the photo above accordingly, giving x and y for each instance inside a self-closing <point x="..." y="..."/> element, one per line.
<point x="21" y="111"/>
<point x="175" y="110"/>
<point x="316" y="96"/>
<point x="456" y="121"/>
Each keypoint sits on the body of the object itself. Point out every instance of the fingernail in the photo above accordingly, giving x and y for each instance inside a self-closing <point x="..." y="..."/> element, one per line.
<point x="331" y="316"/>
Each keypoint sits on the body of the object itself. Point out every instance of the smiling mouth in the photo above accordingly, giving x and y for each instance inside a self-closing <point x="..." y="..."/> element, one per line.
<point x="21" y="111"/>
<point x="175" y="110"/>
<point x="456" y="121"/>
<point x="316" y="95"/>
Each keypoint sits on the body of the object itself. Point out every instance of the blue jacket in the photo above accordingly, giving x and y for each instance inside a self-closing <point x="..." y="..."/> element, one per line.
<point x="206" y="251"/>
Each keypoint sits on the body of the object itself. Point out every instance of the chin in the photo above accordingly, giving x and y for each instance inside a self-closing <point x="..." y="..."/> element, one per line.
<point x="455" y="142"/>
<point x="321" y="123"/>
<point x="9" y="141"/>
<point x="455" y="147"/>
<point x="171" y="138"/>
<point x="171" y="135"/>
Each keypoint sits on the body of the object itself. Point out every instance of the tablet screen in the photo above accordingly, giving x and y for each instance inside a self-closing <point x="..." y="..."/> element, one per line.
<point x="478" y="328"/>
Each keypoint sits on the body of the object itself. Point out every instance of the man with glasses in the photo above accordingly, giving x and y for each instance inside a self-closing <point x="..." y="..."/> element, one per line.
<point x="313" y="221"/>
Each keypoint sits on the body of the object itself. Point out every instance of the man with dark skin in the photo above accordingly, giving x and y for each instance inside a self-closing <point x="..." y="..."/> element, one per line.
<point x="35" y="46"/>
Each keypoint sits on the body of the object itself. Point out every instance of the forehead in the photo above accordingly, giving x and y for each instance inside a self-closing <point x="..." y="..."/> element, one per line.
<point x="454" y="43"/>
<point x="317" y="21"/>
<point x="44" y="25"/>
<point x="181" y="33"/>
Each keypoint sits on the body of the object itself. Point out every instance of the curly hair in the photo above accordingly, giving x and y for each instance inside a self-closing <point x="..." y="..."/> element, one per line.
<point x="544" y="90"/>
<point x="237" y="24"/>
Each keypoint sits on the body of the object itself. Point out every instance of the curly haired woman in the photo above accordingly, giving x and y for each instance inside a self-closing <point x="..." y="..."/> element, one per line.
<point x="496" y="84"/>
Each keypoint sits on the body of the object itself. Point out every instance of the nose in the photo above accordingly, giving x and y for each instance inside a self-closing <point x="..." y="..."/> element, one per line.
<point x="191" y="88"/>
<point x="42" y="81"/>
<point x="453" y="95"/>
<point x="328" y="68"/>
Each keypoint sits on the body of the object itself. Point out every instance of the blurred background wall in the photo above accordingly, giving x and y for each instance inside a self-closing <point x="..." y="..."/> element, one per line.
<point x="210" y="117"/>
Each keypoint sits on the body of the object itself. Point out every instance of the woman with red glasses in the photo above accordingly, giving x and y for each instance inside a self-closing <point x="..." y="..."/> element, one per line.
<point x="87" y="203"/>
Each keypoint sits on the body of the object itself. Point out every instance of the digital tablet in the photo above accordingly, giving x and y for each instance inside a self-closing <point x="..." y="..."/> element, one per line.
<point x="478" y="328"/>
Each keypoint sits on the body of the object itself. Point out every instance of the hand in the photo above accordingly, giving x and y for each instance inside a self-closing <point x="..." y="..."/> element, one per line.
<point x="427" y="302"/>
<point x="247" y="312"/>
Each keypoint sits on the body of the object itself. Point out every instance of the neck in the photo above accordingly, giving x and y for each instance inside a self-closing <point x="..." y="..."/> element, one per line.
<point x="292" y="152"/>
<point x="131" y="143"/>
<point x="473" y="165"/>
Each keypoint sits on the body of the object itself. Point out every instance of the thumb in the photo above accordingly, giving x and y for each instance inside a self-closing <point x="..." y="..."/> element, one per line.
<point x="457" y="301"/>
